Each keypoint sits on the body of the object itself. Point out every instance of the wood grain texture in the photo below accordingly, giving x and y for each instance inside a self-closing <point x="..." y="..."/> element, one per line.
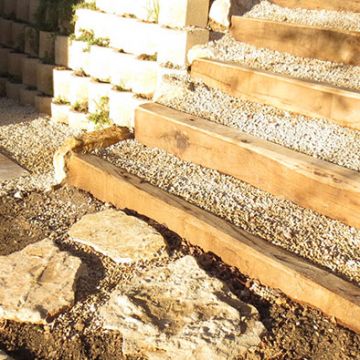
<point x="337" y="5"/>
<point x="253" y="256"/>
<point x="300" y="40"/>
<point x="9" y="169"/>
<point x="313" y="99"/>
<point x="312" y="183"/>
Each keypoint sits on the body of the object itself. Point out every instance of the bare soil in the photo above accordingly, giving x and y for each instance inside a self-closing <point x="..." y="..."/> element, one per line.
<point x="294" y="331"/>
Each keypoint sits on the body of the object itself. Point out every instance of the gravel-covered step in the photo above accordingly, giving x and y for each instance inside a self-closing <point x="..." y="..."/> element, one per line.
<point x="123" y="238"/>
<point x="253" y="255"/>
<point x="300" y="96"/>
<point x="37" y="283"/>
<point x="273" y="168"/>
<point x="336" y="14"/>
<point x="227" y="49"/>
<point x="316" y="137"/>
<point x="301" y="40"/>
<point x="180" y="309"/>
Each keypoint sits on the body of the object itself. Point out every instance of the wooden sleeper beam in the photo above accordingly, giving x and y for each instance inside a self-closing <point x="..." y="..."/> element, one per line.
<point x="314" y="99"/>
<point x="300" y="40"/>
<point x="253" y="256"/>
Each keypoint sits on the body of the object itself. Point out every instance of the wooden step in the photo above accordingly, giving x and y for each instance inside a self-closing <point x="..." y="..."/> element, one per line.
<point x="300" y="40"/>
<point x="337" y="5"/>
<point x="312" y="183"/>
<point x="253" y="256"/>
<point x="340" y="106"/>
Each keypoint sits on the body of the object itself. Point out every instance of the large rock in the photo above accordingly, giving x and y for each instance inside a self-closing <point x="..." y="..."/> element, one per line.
<point x="179" y="311"/>
<point x="121" y="237"/>
<point x="37" y="282"/>
<point x="222" y="10"/>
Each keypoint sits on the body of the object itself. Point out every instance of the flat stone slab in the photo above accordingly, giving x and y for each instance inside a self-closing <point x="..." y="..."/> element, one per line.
<point x="179" y="309"/>
<point x="123" y="238"/>
<point x="37" y="283"/>
<point x="9" y="169"/>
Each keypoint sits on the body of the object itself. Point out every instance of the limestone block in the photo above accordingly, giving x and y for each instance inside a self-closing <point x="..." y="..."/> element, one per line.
<point x="99" y="23"/>
<point x="200" y="52"/>
<point x="180" y="13"/>
<point x="6" y="32"/>
<point x="18" y="36"/>
<point x="1" y="7"/>
<point x="201" y="318"/>
<point x="3" y="81"/>
<point x="33" y="6"/>
<point x="123" y="238"/>
<point x="43" y="104"/>
<point x="47" y="46"/>
<point x="138" y="37"/>
<point x="13" y="90"/>
<point x="37" y="283"/>
<point x="175" y="44"/>
<point x="29" y="71"/>
<point x="27" y="96"/>
<point x="15" y="64"/>
<point x="79" y="89"/>
<point x="4" y="60"/>
<point x="97" y="90"/>
<point x="78" y="56"/>
<point x="80" y="121"/>
<point x="22" y="10"/>
<point x="44" y="74"/>
<point x="62" y="83"/>
<point x="130" y="72"/>
<point x="60" y="113"/>
<point x="97" y="56"/>
<point x="31" y="41"/>
<point x="61" y="50"/>
<point x="122" y="105"/>
<point x="147" y="10"/>
<point x="10" y="8"/>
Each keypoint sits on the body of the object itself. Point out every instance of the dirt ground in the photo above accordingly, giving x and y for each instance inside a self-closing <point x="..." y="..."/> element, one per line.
<point x="294" y="331"/>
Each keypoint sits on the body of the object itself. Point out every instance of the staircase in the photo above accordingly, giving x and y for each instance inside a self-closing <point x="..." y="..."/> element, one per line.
<point x="324" y="187"/>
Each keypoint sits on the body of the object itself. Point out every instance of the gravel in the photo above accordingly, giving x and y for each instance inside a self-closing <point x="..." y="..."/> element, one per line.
<point x="315" y="137"/>
<point x="31" y="140"/>
<point x="340" y="20"/>
<point x="340" y="75"/>
<point x="302" y="231"/>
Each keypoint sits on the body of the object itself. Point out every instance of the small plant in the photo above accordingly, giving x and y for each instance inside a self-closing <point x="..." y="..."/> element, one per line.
<point x="146" y="57"/>
<point x="80" y="106"/>
<point x="80" y="73"/>
<point x="101" y="116"/>
<point x="60" y="101"/>
<point x="153" y="10"/>
<point x="88" y="36"/>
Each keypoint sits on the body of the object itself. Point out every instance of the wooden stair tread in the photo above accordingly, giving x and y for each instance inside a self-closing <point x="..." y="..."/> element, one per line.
<point x="300" y="40"/>
<point x="312" y="183"/>
<point x="314" y="99"/>
<point x="255" y="257"/>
